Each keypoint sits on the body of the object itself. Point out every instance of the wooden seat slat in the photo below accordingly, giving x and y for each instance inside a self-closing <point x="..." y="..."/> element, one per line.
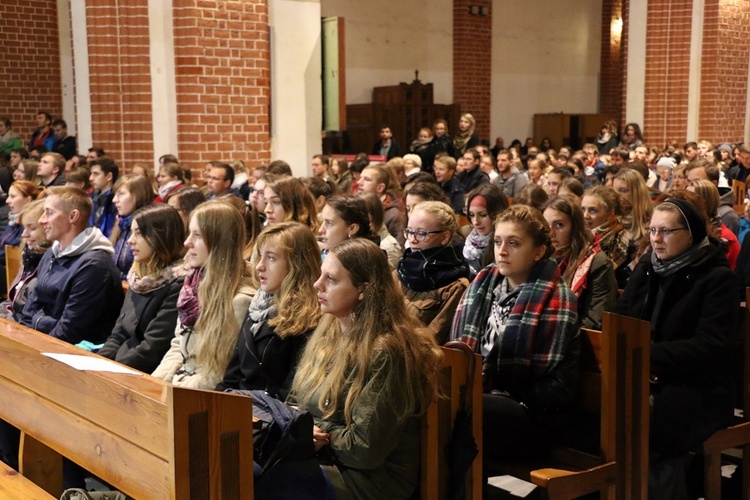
<point x="15" y="486"/>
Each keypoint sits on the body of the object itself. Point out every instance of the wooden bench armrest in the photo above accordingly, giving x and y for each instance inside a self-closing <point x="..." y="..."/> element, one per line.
<point x="14" y="485"/>
<point x="727" y="438"/>
<point x="572" y="484"/>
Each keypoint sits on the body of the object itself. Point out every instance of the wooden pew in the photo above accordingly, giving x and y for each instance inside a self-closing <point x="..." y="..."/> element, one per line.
<point x="739" y="189"/>
<point x="462" y="380"/>
<point x="613" y="384"/>
<point x="141" y="435"/>
<point x="12" y="263"/>
<point x="736" y="436"/>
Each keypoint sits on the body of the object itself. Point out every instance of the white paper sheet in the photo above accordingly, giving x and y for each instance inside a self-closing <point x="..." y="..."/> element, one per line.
<point x="513" y="485"/>
<point x="90" y="363"/>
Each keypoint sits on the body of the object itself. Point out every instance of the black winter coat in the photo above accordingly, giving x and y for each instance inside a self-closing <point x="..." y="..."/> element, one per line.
<point x="143" y="332"/>
<point x="264" y="362"/>
<point x="693" y="315"/>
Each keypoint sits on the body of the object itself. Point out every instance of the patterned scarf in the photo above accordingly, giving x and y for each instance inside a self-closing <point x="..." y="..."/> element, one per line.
<point x="580" y="276"/>
<point x="696" y="253"/>
<point x="262" y="308"/>
<point x="188" y="307"/>
<point x="614" y="240"/>
<point x="146" y="284"/>
<point x="431" y="269"/>
<point x="537" y="332"/>
<point x="462" y="139"/>
<point x="476" y="244"/>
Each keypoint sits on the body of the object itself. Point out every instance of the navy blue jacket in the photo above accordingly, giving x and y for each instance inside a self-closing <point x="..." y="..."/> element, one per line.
<point x="103" y="211"/>
<point x="78" y="293"/>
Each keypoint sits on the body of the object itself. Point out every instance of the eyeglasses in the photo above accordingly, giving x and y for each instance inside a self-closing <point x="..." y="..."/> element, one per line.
<point x="419" y="235"/>
<point x="663" y="231"/>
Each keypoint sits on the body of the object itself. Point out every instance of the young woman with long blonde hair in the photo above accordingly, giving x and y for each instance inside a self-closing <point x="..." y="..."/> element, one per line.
<point x="281" y="316"/>
<point x="368" y="372"/>
<point x="213" y="300"/>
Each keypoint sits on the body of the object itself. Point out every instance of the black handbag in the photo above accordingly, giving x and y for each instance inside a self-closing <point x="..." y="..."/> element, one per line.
<point x="285" y="433"/>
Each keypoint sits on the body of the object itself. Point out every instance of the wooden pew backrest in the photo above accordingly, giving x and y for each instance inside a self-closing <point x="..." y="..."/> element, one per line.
<point x="142" y="435"/>
<point x="437" y="424"/>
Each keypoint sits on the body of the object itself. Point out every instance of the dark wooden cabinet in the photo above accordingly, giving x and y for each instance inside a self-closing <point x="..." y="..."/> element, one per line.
<point x="572" y="130"/>
<point x="405" y="107"/>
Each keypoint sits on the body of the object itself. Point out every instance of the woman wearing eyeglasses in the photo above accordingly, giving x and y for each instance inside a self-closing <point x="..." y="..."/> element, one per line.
<point x="685" y="289"/>
<point x="433" y="272"/>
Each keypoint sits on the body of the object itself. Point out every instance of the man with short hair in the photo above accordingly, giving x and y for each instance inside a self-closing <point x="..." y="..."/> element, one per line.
<point x="94" y="154"/>
<point x="510" y="180"/>
<point x="386" y="146"/>
<point x="499" y="146"/>
<point x="472" y="176"/>
<point x="65" y="145"/>
<point x="320" y="165"/>
<point x="103" y="176"/>
<point x="78" y="295"/>
<point x="43" y="135"/>
<point x="219" y="180"/>
<point x="620" y="157"/>
<point x="16" y="156"/>
<point x="51" y="166"/>
<point x="691" y="152"/>
<point x="9" y="140"/>
<point x="375" y="179"/>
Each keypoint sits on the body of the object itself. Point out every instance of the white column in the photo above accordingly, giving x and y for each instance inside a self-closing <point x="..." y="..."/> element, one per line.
<point x="82" y="84"/>
<point x="296" y="86"/>
<point x="636" y="80"/>
<point x="163" y="88"/>
<point x="694" y="74"/>
<point x="66" y="65"/>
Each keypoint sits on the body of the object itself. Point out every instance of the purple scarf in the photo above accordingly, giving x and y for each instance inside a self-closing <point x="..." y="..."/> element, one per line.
<point x="188" y="308"/>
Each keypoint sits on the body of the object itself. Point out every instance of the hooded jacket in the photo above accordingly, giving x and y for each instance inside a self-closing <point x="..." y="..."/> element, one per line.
<point x="78" y="294"/>
<point x="726" y="212"/>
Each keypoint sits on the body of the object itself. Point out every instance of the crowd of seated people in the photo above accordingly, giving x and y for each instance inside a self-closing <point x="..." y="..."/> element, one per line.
<point x="327" y="290"/>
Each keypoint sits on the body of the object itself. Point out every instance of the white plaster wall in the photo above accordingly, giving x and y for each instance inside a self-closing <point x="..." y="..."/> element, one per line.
<point x="296" y="88"/>
<point x="545" y="59"/>
<point x="387" y="40"/>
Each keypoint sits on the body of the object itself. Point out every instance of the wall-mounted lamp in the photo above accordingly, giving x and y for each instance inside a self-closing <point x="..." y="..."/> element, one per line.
<point x="616" y="27"/>
<point x="479" y="10"/>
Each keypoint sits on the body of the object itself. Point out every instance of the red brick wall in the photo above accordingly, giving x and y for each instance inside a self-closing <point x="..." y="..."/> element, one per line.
<point x="222" y="66"/>
<point x="30" y="69"/>
<point x="472" y="56"/>
<point x="612" y="71"/>
<point x="119" y="66"/>
<point x="726" y="49"/>
<point x="624" y="55"/>
<point x="667" y="71"/>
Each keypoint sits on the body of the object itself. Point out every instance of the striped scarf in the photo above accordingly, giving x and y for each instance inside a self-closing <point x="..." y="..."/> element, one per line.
<point x="537" y="332"/>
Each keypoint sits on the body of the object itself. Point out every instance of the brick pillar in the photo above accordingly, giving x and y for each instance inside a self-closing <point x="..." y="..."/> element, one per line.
<point x="667" y="71"/>
<point x="120" y="81"/>
<point x="726" y="50"/>
<point x="222" y="68"/>
<point x="30" y="69"/>
<point x="472" y="53"/>
<point x="624" y="57"/>
<point x="612" y="61"/>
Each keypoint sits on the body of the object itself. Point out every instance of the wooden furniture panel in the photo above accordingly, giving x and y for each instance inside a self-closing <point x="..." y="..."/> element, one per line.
<point x="462" y="385"/>
<point x="144" y="436"/>
<point x="738" y="435"/>
<point x="613" y="386"/>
